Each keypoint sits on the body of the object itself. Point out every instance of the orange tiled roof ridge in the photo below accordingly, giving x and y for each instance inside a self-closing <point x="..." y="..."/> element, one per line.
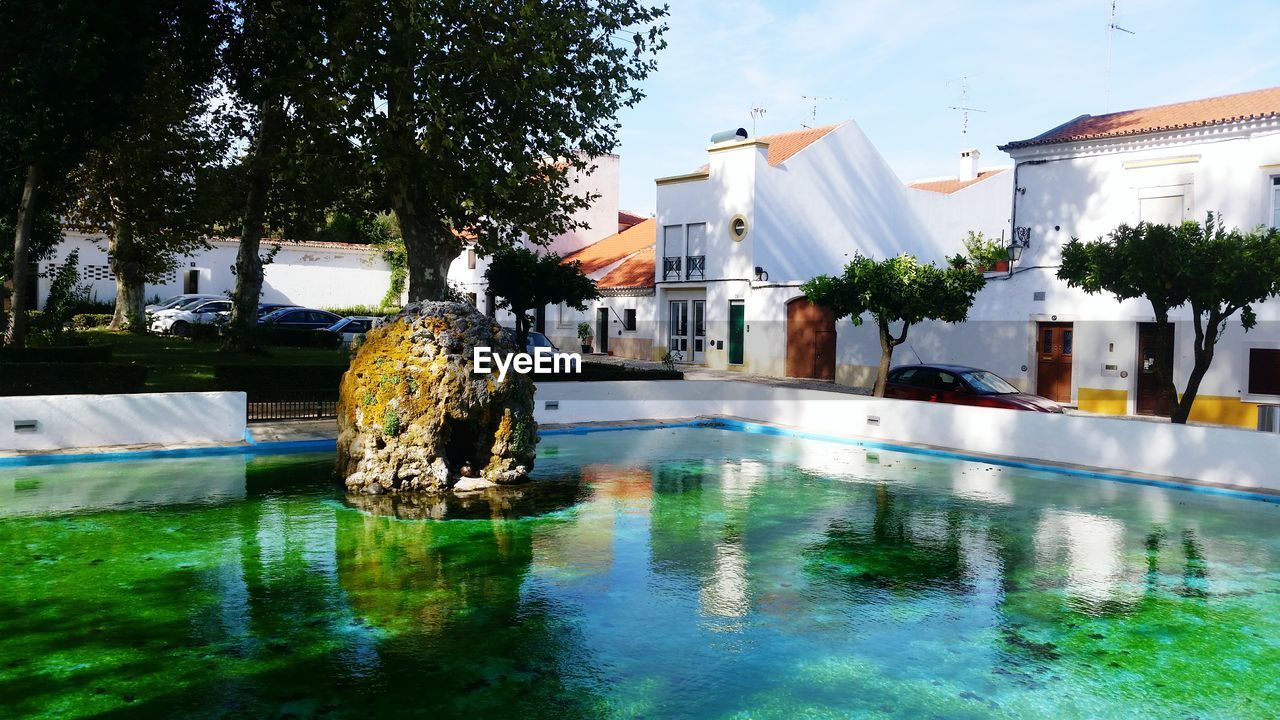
<point x="637" y="271"/>
<point x="950" y="185"/>
<point x="784" y="145"/>
<point x="1252" y="105"/>
<point x="603" y="253"/>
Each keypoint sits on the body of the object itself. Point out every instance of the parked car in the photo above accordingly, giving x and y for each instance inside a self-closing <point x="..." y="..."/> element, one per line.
<point x="267" y="308"/>
<point x="960" y="385"/>
<point x="536" y="340"/>
<point x="178" y="321"/>
<point x="177" y="300"/>
<point x="296" y="318"/>
<point x="354" y="327"/>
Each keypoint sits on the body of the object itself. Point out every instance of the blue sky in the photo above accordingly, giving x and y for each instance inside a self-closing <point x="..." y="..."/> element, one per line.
<point x="896" y="66"/>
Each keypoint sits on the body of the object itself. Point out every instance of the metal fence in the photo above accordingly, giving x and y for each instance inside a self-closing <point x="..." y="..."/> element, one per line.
<point x="314" y="407"/>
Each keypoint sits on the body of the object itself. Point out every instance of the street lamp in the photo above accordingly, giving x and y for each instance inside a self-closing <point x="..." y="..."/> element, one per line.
<point x="1021" y="241"/>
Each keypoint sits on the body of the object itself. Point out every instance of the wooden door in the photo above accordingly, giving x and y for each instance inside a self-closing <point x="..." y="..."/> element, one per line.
<point x="1154" y="394"/>
<point x="811" y="340"/>
<point x="1055" y="343"/>
<point x="602" y="330"/>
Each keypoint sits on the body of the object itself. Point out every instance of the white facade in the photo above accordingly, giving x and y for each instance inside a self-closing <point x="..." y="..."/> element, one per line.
<point x="310" y="274"/>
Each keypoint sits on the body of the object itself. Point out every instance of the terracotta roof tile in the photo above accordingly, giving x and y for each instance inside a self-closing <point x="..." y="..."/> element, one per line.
<point x="1258" y="104"/>
<point x="636" y="271"/>
<point x="628" y="219"/>
<point x="603" y="253"/>
<point x="782" y="146"/>
<point x="950" y="185"/>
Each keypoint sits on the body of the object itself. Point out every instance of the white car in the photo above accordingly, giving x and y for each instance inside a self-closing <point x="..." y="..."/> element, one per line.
<point x="177" y="300"/>
<point x="354" y="327"/>
<point x="178" y="320"/>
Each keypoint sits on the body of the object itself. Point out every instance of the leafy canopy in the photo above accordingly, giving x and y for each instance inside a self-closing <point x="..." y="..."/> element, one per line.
<point x="897" y="289"/>
<point x="523" y="280"/>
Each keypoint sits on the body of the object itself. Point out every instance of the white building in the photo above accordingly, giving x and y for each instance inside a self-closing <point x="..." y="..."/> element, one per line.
<point x="311" y="274"/>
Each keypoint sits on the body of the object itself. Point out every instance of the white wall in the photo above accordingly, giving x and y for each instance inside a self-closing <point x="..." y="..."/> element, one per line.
<point x="87" y="421"/>
<point x="982" y="207"/>
<point x="309" y="274"/>
<point x="1220" y="456"/>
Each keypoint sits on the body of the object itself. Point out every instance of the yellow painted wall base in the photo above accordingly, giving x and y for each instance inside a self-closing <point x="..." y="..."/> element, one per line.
<point x="1224" y="410"/>
<point x="1105" y="402"/>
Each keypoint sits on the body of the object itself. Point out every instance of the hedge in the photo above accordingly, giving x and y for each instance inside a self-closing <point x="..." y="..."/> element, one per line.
<point x="279" y="382"/>
<point x="85" y="321"/>
<point x="57" y="354"/>
<point x="205" y="332"/>
<point x="51" y="378"/>
<point x="288" y="337"/>
<point x="603" y="372"/>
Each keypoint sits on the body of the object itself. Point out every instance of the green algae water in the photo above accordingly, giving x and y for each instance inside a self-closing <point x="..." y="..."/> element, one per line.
<point x="689" y="572"/>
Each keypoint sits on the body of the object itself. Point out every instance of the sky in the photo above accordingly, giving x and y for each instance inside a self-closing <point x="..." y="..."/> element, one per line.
<point x="896" y="67"/>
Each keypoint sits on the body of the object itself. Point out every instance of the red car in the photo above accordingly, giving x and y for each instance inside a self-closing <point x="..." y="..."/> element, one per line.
<point x="960" y="385"/>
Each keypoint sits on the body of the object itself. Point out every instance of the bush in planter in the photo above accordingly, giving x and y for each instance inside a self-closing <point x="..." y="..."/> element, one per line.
<point x="61" y="378"/>
<point x="584" y="335"/>
<point x="982" y="253"/>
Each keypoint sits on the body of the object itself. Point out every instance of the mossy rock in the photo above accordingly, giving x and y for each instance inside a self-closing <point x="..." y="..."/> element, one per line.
<point x="413" y="418"/>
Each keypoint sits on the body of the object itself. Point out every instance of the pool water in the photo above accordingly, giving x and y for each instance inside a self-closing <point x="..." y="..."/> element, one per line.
<point x="685" y="572"/>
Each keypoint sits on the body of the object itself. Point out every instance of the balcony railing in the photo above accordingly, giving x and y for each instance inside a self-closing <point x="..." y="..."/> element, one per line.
<point x="671" y="268"/>
<point x="697" y="267"/>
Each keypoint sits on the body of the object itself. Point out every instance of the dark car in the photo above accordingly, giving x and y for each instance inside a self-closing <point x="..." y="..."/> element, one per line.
<point x="265" y="309"/>
<point x="960" y="385"/>
<point x="300" y="318"/>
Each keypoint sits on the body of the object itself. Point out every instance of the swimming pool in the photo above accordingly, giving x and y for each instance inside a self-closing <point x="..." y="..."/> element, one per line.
<point x="680" y="572"/>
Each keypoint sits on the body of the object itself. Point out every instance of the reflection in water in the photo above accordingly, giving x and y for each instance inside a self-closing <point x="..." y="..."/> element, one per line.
<point x="683" y="573"/>
<point x="506" y="502"/>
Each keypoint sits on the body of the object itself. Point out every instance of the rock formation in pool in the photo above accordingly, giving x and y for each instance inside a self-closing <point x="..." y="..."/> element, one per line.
<point x="412" y="417"/>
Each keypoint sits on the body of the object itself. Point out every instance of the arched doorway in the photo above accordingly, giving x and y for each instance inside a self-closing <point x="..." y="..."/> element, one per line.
<point x="811" y="340"/>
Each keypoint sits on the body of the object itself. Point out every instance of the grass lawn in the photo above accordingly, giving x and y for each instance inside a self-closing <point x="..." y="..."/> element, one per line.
<point x="178" y="365"/>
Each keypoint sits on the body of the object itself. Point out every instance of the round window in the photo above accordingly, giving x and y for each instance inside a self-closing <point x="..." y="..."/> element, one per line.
<point x="738" y="228"/>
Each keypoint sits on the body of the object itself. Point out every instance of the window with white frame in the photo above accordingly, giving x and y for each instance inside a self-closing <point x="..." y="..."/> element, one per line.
<point x="1164" y="210"/>
<point x="672" y="252"/>
<point x="1275" y="201"/>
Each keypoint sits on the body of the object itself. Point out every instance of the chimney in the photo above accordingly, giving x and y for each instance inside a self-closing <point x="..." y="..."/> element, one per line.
<point x="968" y="164"/>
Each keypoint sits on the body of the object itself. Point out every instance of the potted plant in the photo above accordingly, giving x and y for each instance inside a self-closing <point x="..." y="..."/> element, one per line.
<point x="985" y="255"/>
<point x="584" y="334"/>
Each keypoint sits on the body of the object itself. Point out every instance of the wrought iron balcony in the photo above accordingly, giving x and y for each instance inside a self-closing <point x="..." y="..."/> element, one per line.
<point x="697" y="267"/>
<point x="671" y="268"/>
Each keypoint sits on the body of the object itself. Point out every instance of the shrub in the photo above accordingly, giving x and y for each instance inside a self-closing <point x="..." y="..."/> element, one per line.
<point x="369" y="310"/>
<point x="65" y="292"/>
<point x="279" y="382"/>
<point x="205" y="332"/>
<point x="52" y="378"/>
<point x="982" y="252"/>
<point x="84" y="321"/>
<point x="289" y="337"/>
<point x="57" y="354"/>
<point x="603" y="372"/>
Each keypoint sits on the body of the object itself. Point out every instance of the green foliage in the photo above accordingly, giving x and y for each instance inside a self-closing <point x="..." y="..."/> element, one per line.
<point x="205" y="332"/>
<point x="368" y="310"/>
<point x="57" y="354"/>
<point x="391" y="423"/>
<point x="523" y="281"/>
<point x="584" y="331"/>
<point x="280" y="382"/>
<point x="460" y="107"/>
<point x="981" y="252"/>
<point x="669" y="361"/>
<point x="65" y="293"/>
<point x="84" y="321"/>
<point x="87" y="378"/>
<point x="290" y="337"/>
<point x="896" y="290"/>
<point x="1217" y="272"/>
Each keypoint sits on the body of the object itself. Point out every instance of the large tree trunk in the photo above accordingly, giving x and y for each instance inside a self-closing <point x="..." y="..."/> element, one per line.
<point x="428" y="251"/>
<point x="242" y="330"/>
<point x="130" y="310"/>
<point x="1164" y="371"/>
<point x="887" y="343"/>
<point x="16" y="334"/>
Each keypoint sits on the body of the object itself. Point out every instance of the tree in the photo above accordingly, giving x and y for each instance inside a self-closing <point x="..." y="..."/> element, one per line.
<point x="1217" y="272"/>
<point x="524" y="281"/>
<point x="474" y="115"/>
<point x="141" y="184"/>
<point x="896" y="290"/>
<point x="72" y="72"/>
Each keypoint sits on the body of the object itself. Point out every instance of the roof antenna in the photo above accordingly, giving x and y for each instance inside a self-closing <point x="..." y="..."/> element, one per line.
<point x="913" y="352"/>
<point x="757" y="112"/>
<point x="1112" y="27"/>
<point x="813" y="101"/>
<point x="963" y="107"/>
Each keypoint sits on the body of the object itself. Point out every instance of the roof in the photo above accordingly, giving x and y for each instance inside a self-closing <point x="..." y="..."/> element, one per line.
<point x="950" y="185"/>
<point x="782" y="146"/>
<point x="1254" y="105"/>
<point x="635" y="271"/>
<point x="603" y="253"/>
<point x="627" y="219"/>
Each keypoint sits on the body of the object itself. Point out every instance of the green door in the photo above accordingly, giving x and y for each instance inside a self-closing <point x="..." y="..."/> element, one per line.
<point x="736" y="326"/>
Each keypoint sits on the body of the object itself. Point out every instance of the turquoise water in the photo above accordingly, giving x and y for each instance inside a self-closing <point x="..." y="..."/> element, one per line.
<point x="692" y="572"/>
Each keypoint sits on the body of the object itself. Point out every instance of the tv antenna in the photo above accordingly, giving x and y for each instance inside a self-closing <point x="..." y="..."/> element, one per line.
<point x="757" y="112"/>
<point x="813" y="101"/>
<point x="1112" y="27"/>
<point x="963" y="107"/>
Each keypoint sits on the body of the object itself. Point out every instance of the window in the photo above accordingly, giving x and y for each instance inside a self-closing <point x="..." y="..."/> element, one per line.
<point x="629" y="319"/>
<point x="565" y="315"/>
<point x="673" y="241"/>
<point x="1264" y="371"/>
<point x="471" y="259"/>
<point x="1165" y="210"/>
<point x="1275" y="201"/>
